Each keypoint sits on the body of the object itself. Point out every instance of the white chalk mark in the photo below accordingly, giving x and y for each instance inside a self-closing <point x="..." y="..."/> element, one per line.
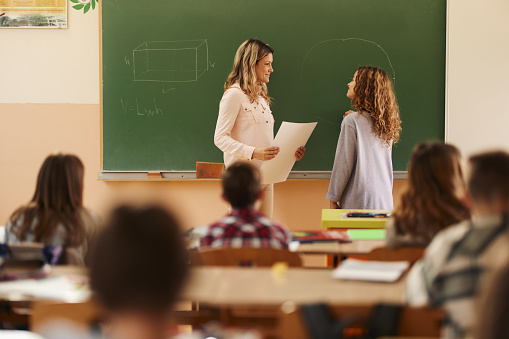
<point x="124" y="106"/>
<point x="169" y="61"/>
<point x="138" y="108"/>
<point x="327" y="121"/>
<point x="347" y="39"/>
<point x="212" y="64"/>
<point x="127" y="62"/>
<point x="166" y="90"/>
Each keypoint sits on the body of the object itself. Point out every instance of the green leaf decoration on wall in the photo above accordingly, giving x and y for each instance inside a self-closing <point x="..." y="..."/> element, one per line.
<point x="84" y="4"/>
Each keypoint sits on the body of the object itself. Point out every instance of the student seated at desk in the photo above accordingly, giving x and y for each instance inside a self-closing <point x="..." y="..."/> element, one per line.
<point x="433" y="199"/>
<point x="244" y="226"/>
<point x="138" y="267"/>
<point x="462" y="258"/>
<point x="55" y="215"/>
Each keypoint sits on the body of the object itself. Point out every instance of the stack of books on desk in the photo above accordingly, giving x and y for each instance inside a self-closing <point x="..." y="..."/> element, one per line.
<point x="320" y="236"/>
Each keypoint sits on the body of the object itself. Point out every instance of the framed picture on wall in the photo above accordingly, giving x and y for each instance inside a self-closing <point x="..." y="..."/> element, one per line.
<point x="33" y="13"/>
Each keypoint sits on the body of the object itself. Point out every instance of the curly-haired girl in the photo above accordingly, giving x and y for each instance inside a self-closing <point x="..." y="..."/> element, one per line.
<point x="362" y="172"/>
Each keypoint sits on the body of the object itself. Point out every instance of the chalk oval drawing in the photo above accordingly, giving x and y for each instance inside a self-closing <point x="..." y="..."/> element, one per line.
<point x="327" y="68"/>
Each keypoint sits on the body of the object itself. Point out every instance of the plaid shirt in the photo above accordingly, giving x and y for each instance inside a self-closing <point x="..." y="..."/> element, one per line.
<point x="458" y="263"/>
<point x="246" y="228"/>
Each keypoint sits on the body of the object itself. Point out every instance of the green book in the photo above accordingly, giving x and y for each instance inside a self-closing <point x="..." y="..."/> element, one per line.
<point x="374" y="234"/>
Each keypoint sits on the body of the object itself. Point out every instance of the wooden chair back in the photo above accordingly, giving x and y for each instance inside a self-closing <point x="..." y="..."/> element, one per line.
<point x="405" y="253"/>
<point x="31" y="250"/>
<point x="26" y="250"/>
<point x="254" y="257"/>
<point x="209" y="170"/>
<point x="82" y="315"/>
<point x="413" y="321"/>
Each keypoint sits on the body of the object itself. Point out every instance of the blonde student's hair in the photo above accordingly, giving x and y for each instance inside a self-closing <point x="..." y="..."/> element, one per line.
<point x="248" y="55"/>
<point x="374" y="93"/>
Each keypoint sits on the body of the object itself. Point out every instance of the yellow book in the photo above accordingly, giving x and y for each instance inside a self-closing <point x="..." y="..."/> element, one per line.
<point x="337" y="218"/>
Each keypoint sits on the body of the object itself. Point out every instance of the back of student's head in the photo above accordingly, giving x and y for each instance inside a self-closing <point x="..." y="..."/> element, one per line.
<point x="60" y="183"/>
<point x="435" y="170"/>
<point x="374" y="93"/>
<point x="435" y="190"/>
<point x="57" y="201"/>
<point x="488" y="179"/>
<point x="241" y="184"/>
<point x="139" y="262"/>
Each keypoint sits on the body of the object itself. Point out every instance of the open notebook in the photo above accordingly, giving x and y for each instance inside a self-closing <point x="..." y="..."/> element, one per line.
<point x="384" y="271"/>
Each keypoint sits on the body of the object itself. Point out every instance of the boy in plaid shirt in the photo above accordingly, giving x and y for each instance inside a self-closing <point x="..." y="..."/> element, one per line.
<point x="462" y="258"/>
<point x="244" y="226"/>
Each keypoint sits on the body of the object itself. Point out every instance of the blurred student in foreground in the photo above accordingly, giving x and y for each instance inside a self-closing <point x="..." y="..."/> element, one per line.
<point x="55" y="215"/>
<point x="434" y="197"/>
<point x="494" y="312"/>
<point x="244" y="226"/>
<point x="138" y="268"/>
<point x="462" y="258"/>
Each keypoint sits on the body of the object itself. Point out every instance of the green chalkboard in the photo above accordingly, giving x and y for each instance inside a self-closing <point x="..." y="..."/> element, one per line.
<point x="164" y="64"/>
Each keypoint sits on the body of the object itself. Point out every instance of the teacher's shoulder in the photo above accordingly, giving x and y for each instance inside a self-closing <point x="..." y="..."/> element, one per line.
<point x="233" y="94"/>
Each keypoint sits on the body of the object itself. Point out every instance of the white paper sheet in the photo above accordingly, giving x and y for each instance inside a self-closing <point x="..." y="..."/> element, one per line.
<point x="383" y="271"/>
<point x="289" y="138"/>
<point x="68" y="288"/>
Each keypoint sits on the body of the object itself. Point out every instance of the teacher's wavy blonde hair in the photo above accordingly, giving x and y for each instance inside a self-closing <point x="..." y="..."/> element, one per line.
<point x="374" y="94"/>
<point x="249" y="53"/>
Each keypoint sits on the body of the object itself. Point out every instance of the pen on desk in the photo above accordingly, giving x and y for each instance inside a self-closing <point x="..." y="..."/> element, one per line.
<point x="353" y="214"/>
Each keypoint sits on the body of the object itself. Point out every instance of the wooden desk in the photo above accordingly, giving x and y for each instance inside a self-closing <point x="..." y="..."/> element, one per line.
<point x="356" y="247"/>
<point x="254" y="298"/>
<point x="16" y="297"/>
<point x="227" y="286"/>
<point x="332" y="218"/>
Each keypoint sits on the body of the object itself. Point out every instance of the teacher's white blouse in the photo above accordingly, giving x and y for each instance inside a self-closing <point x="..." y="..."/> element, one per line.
<point x="242" y="126"/>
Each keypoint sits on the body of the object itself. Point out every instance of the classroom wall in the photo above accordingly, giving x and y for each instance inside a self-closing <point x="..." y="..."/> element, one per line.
<point x="477" y="75"/>
<point x="49" y="101"/>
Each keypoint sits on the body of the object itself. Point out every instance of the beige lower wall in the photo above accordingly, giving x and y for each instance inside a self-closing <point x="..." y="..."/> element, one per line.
<point x="29" y="132"/>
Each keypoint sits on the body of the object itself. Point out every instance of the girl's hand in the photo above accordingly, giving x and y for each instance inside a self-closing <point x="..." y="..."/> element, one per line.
<point x="265" y="153"/>
<point x="334" y="205"/>
<point x="299" y="153"/>
<point x="348" y="112"/>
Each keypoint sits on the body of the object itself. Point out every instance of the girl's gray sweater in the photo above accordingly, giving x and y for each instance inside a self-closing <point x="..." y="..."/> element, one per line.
<point x="362" y="174"/>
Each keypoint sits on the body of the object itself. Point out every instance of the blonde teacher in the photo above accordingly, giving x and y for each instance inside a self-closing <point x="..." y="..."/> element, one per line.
<point x="245" y="125"/>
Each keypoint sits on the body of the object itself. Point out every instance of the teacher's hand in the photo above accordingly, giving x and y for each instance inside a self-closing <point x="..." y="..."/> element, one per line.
<point x="334" y="204"/>
<point x="299" y="153"/>
<point x="265" y="153"/>
<point x="348" y="112"/>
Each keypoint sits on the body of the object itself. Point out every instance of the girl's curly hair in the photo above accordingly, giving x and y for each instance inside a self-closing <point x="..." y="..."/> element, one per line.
<point x="374" y="93"/>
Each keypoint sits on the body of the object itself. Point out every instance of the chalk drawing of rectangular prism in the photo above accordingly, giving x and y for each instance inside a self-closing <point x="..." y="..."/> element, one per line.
<point x="170" y="61"/>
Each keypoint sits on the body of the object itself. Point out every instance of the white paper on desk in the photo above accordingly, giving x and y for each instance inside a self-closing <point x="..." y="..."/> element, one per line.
<point x="382" y="271"/>
<point x="66" y="288"/>
<point x="289" y="138"/>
